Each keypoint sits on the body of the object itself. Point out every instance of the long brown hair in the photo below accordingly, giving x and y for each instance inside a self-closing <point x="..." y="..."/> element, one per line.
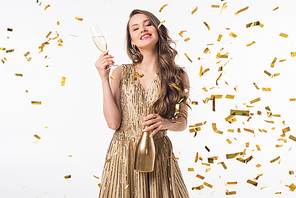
<point x="171" y="75"/>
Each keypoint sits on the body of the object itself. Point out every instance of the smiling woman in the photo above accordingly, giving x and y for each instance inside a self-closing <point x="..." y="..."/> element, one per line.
<point x="133" y="105"/>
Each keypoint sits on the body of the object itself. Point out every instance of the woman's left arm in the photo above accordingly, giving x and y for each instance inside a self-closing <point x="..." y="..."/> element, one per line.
<point x="157" y="122"/>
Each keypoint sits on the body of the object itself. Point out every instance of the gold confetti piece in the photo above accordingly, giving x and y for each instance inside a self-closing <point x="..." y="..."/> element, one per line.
<point x="293" y="54"/>
<point x="208" y="185"/>
<point x="37" y="136"/>
<point x="273" y="62"/>
<point x="229" y="141"/>
<point x="230" y="130"/>
<point x="201" y="123"/>
<point x="29" y="59"/>
<point x="219" y="78"/>
<point x="61" y="45"/>
<point x="233" y="155"/>
<point x="258" y="147"/>
<point x="292" y="138"/>
<point x="99" y="185"/>
<point x="141" y="75"/>
<point x="231" y="193"/>
<point x="195" y="9"/>
<point x="112" y="77"/>
<point x="215" y="6"/>
<point x="46" y="7"/>
<point x="205" y="89"/>
<point x="292" y="187"/>
<point x="26" y="54"/>
<point x="176" y="87"/>
<point x="233" y="35"/>
<point x="181" y="32"/>
<point x="16" y="74"/>
<point x="187" y="57"/>
<point x="282" y="60"/>
<point x="210" y="160"/>
<point x="269" y="121"/>
<point x="216" y="96"/>
<point x="207" y="148"/>
<point x="231" y="183"/>
<point x="199" y="176"/>
<point x="206" y="164"/>
<point x="125" y="189"/>
<point x="223" y="164"/>
<point x="207" y="25"/>
<point x="255" y="100"/>
<point x="252" y="182"/>
<point x="161" y="23"/>
<point x="196" y="157"/>
<point x="198" y="187"/>
<point x="249" y="130"/>
<point x="259" y="175"/>
<point x="258" y="165"/>
<point x="229" y="96"/>
<point x="9" y="29"/>
<point x="278" y="145"/>
<point x="275" y="159"/>
<point x="292" y="99"/>
<point x="224" y="6"/>
<point x="241" y="10"/>
<point x="163" y="7"/>
<point x="194" y="102"/>
<point x="79" y="19"/>
<point x="219" y="37"/>
<point x="255" y="85"/>
<point x="70" y="156"/>
<point x="291" y="172"/>
<point x="240" y="112"/>
<point x="58" y="23"/>
<point x="96" y="177"/>
<point x="229" y="118"/>
<point x="207" y="170"/>
<point x="48" y="34"/>
<point x="187" y="39"/>
<point x="253" y="42"/>
<point x="190" y="169"/>
<point x="67" y="176"/>
<point x="63" y="81"/>
<point x="256" y="23"/>
<point x="207" y="50"/>
<point x="266" y="72"/>
<point x="285" y="130"/>
<point x="284" y="35"/>
<point x="9" y="51"/>
<point x="36" y="102"/>
<point x="275" y="8"/>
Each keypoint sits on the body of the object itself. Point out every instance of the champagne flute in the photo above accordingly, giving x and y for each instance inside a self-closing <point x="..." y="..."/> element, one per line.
<point x="100" y="42"/>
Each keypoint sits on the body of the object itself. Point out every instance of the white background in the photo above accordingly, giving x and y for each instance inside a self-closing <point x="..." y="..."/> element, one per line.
<point x="70" y="119"/>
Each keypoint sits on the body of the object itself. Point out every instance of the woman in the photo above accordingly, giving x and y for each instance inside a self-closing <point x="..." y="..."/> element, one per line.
<point x="154" y="102"/>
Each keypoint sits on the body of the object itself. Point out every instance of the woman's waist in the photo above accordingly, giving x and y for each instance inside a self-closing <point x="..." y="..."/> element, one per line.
<point x="132" y="135"/>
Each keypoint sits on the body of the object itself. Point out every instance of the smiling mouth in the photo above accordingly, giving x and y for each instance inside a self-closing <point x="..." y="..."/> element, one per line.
<point x="145" y="36"/>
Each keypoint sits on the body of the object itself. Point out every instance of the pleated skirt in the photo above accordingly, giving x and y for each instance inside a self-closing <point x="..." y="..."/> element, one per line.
<point x="120" y="180"/>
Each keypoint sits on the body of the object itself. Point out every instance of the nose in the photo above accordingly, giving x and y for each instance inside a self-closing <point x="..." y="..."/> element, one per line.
<point x="143" y="29"/>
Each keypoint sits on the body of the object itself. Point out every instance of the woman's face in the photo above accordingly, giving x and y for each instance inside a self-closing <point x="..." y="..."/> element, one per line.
<point x="143" y="34"/>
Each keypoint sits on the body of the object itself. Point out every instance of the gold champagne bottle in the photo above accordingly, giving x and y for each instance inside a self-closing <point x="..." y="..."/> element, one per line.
<point x="145" y="153"/>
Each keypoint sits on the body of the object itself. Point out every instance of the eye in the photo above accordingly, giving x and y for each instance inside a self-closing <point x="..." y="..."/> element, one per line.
<point x="148" y="24"/>
<point x="135" y="29"/>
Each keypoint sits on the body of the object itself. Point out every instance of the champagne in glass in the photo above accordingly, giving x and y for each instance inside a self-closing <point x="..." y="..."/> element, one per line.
<point x="100" y="42"/>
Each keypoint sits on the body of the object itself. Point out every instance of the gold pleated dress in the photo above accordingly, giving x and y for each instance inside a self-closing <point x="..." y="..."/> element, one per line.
<point x="119" y="179"/>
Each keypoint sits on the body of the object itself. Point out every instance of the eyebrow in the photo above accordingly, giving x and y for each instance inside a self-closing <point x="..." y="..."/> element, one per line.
<point x="143" y="22"/>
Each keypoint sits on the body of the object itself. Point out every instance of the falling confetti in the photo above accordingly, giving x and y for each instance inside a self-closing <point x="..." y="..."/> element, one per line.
<point x="163" y="7"/>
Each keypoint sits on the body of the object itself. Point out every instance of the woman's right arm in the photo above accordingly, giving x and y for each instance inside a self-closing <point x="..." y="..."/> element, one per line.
<point x="111" y="91"/>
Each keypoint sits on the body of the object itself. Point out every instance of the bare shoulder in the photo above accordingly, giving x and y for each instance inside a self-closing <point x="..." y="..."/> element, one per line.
<point x="186" y="78"/>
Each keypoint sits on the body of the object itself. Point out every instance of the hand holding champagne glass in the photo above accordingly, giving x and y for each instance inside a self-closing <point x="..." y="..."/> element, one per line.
<point x="101" y="44"/>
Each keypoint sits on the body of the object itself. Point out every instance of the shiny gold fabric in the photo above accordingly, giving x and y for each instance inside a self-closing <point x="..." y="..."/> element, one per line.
<point x="119" y="179"/>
